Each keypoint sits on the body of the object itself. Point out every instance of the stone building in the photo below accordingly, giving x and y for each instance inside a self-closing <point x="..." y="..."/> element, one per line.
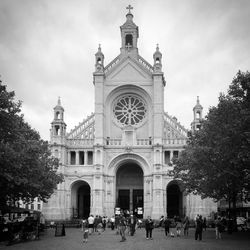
<point x="120" y="155"/>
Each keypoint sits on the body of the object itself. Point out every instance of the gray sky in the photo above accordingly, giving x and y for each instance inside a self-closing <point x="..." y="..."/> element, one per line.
<point x="47" y="50"/>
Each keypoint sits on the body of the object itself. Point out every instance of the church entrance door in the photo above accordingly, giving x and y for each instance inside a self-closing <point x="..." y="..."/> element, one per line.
<point x="80" y="199"/>
<point x="129" y="187"/>
<point x="174" y="200"/>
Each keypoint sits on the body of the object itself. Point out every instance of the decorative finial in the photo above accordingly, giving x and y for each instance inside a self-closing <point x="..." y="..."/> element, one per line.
<point x="99" y="48"/>
<point x="198" y="101"/>
<point x="157" y="47"/>
<point x="59" y="101"/>
<point x="129" y="8"/>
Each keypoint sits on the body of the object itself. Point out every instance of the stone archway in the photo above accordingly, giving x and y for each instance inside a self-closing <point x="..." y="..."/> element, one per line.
<point x="129" y="187"/>
<point x="174" y="199"/>
<point x="80" y="199"/>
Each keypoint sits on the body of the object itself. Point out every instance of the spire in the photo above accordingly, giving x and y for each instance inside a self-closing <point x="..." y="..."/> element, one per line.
<point x="59" y="101"/>
<point x="59" y="105"/>
<point x="198" y="105"/>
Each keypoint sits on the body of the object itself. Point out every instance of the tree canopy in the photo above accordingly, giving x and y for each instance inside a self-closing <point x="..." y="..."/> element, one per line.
<point x="216" y="160"/>
<point x="27" y="168"/>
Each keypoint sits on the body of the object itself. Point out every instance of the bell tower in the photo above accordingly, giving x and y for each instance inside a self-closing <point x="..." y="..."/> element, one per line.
<point x="197" y="111"/>
<point x="129" y="35"/>
<point x="58" y="126"/>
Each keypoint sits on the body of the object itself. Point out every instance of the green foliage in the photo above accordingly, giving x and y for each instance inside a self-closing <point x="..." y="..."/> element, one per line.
<point x="216" y="160"/>
<point x="27" y="168"/>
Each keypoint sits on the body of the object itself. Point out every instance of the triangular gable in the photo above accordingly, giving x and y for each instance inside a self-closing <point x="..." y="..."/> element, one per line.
<point x="129" y="69"/>
<point x="173" y="129"/>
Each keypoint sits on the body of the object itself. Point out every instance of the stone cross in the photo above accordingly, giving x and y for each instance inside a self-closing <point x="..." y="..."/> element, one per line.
<point x="129" y="8"/>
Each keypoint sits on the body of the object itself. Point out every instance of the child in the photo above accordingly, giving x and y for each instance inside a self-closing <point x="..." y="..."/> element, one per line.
<point x="85" y="231"/>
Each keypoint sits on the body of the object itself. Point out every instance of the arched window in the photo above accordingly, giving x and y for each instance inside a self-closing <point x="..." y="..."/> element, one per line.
<point x="129" y="40"/>
<point x="57" y="115"/>
<point x="198" y="114"/>
<point x="99" y="60"/>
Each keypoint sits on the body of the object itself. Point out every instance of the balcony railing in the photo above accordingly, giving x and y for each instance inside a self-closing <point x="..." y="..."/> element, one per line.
<point x="80" y="142"/>
<point x="174" y="141"/>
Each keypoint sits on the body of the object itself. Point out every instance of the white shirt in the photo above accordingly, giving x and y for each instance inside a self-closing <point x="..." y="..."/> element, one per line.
<point x="91" y="220"/>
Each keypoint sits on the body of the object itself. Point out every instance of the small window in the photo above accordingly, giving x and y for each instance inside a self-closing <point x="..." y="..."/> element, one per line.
<point x="38" y="206"/>
<point x="167" y="157"/>
<point x="32" y="207"/>
<point x="81" y="158"/>
<point x="90" y="157"/>
<point x="72" y="157"/>
<point x="157" y="60"/>
<point x="175" y="154"/>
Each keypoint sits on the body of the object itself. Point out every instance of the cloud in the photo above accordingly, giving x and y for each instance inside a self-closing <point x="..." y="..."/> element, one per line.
<point x="47" y="50"/>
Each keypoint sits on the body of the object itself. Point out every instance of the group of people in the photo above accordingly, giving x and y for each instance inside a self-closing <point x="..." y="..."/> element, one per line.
<point x="127" y="223"/>
<point x="123" y="222"/>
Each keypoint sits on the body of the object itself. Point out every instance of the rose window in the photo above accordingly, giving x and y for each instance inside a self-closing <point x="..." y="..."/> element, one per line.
<point x="130" y="110"/>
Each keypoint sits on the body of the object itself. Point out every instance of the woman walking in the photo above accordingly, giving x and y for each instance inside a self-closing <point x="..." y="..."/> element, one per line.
<point x="149" y="225"/>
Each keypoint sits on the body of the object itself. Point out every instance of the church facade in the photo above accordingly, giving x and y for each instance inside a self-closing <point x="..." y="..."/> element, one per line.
<point x="119" y="157"/>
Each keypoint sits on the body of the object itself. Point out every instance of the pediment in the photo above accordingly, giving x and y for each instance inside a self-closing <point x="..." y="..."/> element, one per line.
<point x="129" y="70"/>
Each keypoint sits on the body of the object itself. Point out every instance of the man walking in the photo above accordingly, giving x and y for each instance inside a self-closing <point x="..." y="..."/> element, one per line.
<point x="166" y="223"/>
<point x="91" y="224"/>
<point x="122" y="226"/>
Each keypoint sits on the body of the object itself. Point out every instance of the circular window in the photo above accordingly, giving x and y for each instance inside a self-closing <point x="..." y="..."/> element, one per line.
<point x="129" y="110"/>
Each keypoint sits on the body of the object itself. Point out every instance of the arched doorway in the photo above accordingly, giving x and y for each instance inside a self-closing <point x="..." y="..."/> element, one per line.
<point x="80" y="199"/>
<point x="174" y="200"/>
<point x="129" y="187"/>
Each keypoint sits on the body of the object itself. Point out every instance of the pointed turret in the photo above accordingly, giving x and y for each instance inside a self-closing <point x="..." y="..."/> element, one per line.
<point x="157" y="60"/>
<point x="58" y="126"/>
<point x="197" y="111"/>
<point x="99" y="60"/>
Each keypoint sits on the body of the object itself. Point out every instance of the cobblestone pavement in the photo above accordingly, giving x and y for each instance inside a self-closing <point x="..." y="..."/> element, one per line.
<point x="108" y="240"/>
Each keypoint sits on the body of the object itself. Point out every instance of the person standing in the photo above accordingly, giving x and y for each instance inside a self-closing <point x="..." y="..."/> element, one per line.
<point x="218" y="228"/>
<point x="198" y="228"/>
<point x="149" y="225"/>
<point x="132" y="223"/>
<point x="178" y="227"/>
<point x="112" y="223"/>
<point x="85" y="230"/>
<point x="96" y="220"/>
<point x="91" y="224"/>
<point x="122" y="226"/>
<point x="167" y="223"/>
<point x="186" y="226"/>
<point x="204" y="223"/>
<point x="104" y="223"/>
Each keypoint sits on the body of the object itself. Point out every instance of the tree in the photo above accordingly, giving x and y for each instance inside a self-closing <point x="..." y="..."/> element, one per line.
<point x="27" y="168"/>
<point x="216" y="160"/>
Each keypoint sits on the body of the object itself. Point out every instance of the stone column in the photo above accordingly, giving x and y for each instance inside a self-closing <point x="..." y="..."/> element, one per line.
<point x="68" y="157"/>
<point x="85" y="157"/>
<point x="77" y="157"/>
